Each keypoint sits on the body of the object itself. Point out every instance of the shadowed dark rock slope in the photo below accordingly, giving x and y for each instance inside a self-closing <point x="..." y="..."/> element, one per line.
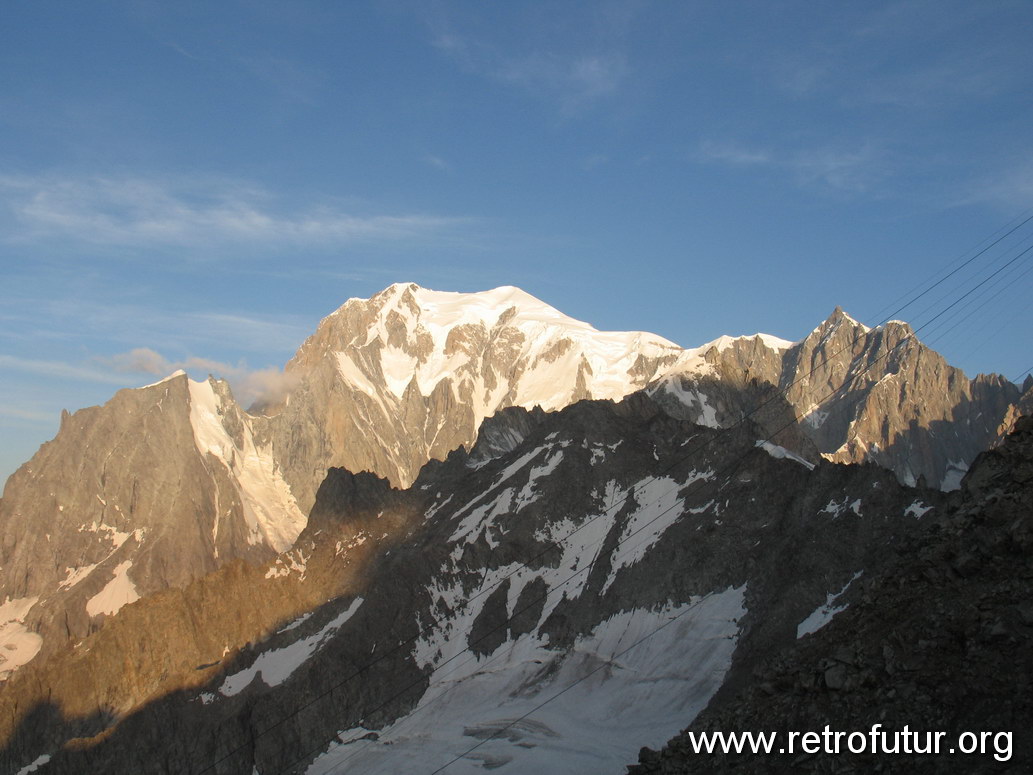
<point x="940" y="640"/>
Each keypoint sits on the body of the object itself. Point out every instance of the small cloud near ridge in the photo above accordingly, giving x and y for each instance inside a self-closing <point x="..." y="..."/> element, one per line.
<point x="250" y="386"/>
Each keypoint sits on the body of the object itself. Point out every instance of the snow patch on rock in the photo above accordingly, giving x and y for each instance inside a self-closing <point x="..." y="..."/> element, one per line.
<point x="917" y="510"/>
<point x="30" y="768"/>
<point x="270" y="510"/>
<point x="660" y="507"/>
<point x="823" y="614"/>
<point x="955" y="472"/>
<point x="276" y="665"/>
<point x="18" y="644"/>
<point x="693" y="398"/>
<point x="784" y="454"/>
<point x="118" y="592"/>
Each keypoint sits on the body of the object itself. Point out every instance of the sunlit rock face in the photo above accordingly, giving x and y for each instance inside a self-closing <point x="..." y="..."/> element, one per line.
<point x="388" y="383"/>
<point x="869" y="394"/>
<point x="155" y="488"/>
<point x="1022" y="407"/>
<point x="892" y="400"/>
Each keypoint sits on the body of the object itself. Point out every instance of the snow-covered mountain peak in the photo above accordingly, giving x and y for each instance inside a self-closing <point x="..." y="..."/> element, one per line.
<point x="173" y="375"/>
<point x="423" y="368"/>
<point x="438" y="312"/>
<point x="504" y="341"/>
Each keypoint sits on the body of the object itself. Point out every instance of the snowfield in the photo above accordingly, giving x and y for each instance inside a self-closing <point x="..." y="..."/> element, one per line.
<point x="636" y="680"/>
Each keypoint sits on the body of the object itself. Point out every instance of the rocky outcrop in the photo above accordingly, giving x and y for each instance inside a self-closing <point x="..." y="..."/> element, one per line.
<point x="1021" y="408"/>
<point x="866" y="394"/>
<point x="941" y="640"/>
<point x="149" y="491"/>
<point x="894" y="401"/>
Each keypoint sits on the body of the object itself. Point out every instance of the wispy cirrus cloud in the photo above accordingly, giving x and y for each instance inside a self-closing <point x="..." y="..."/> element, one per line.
<point x="856" y="170"/>
<point x="733" y="154"/>
<point x="59" y="370"/>
<point x="1010" y="187"/>
<point x="273" y="332"/>
<point x="438" y="163"/>
<point x="31" y="416"/>
<point x="573" y="80"/>
<point x="64" y="321"/>
<point x="920" y="58"/>
<point x="958" y="81"/>
<point x="290" y="79"/>
<point x="137" y="211"/>
<point x="250" y="385"/>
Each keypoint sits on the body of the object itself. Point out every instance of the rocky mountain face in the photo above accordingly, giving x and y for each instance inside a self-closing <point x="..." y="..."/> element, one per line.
<point x="865" y="394"/>
<point x="940" y="640"/>
<point x="149" y="491"/>
<point x="1021" y="408"/>
<point x="166" y="484"/>
<point x="386" y="384"/>
<point x="577" y="584"/>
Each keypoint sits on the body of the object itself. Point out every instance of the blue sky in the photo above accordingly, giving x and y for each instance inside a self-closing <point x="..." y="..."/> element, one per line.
<point x="199" y="183"/>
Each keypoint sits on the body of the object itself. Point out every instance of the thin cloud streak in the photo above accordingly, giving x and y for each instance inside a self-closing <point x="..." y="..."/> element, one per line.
<point x="265" y="385"/>
<point x="732" y="154"/>
<point x="854" y="171"/>
<point x="1011" y="189"/>
<point x="438" y="163"/>
<point x="975" y="79"/>
<point x="58" y="369"/>
<point x="27" y="415"/>
<point x="78" y="318"/>
<point x="143" y="212"/>
<point x="573" y="81"/>
<point x="241" y="328"/>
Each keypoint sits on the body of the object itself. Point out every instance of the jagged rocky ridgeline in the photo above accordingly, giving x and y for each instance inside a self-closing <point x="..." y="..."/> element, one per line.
<point x="407" y="626"/>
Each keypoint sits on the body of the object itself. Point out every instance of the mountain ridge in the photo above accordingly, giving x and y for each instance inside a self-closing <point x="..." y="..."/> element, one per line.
<point x="168" y="482"/>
